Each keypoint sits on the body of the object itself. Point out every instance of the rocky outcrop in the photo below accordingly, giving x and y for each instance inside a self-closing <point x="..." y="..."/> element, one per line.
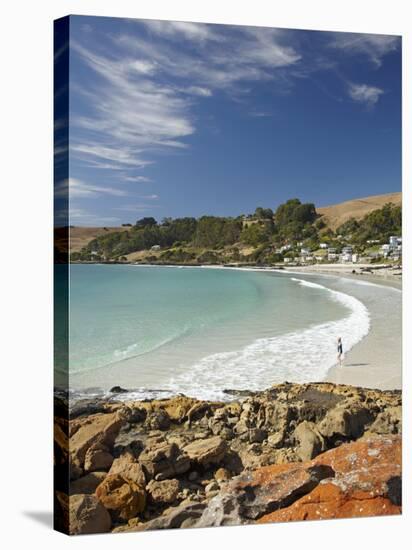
<point x="206" y="451"/>
<point x="253" y="494"/>
<point x="123" y="498"/>
<point x="163" y="461"/>
<point x="367" y="482"/>
<point x="97" y="457"/>
<point x="184" y="515"/>
<point x="163" y="492"/>
<point x="294" y="451"/>
<point x="87" y="484"/>
<point x="96" y="429"/>
<point x="88" y="515"/>
<point x="128" y="467"/>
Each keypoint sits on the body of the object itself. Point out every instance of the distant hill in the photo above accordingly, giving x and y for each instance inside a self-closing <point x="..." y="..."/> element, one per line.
<point x="334" y="216"/>
<point x="80" y="236"/>
<point x="337" y="214"/>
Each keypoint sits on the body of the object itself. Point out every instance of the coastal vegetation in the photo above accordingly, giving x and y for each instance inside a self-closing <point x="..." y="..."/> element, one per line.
<point x="264" y="237"/>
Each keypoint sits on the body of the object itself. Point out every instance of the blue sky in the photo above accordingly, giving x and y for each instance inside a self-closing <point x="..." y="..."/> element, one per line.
<point x="184" y="119"/>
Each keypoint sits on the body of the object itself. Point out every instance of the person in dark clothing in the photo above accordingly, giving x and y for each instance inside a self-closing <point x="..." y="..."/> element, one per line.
<point x="340" y="351"/>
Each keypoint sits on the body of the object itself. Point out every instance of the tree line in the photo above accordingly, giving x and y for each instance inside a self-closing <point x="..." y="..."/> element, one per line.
<point x="264" y="231"/>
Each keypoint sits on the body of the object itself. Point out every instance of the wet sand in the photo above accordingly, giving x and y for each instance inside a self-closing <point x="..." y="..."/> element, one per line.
<point x="376" y="361"/>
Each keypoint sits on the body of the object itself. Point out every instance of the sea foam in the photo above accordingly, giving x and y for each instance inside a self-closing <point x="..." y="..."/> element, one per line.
<point x="298" y="356"/>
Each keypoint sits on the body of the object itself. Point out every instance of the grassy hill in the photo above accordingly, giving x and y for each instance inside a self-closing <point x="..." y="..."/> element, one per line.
<point x="81" y="236"/>
<point x="337" y="214"/>
<point x="262" y="237"/>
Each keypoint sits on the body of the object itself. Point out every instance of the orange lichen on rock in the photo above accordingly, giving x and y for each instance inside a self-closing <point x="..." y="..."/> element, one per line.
<point x="367" y="482"/>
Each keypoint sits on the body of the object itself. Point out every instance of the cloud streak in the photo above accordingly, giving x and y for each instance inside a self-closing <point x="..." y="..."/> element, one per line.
<point x="75" y="188"/>
<point x="373" y="46"/>
<point x="362" y="93"/>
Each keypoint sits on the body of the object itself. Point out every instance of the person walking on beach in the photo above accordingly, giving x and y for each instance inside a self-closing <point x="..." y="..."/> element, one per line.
<point x="340" y="351"/>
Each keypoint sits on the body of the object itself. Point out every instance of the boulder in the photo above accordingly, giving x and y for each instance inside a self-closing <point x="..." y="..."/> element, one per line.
<point x="61" y="445"/>
<point x="97" y="458"/>
<point x="389" y="421"/>
<point x="87" y="484"/>
<point x="184" y="515"/>
<point x="346" y="421"/>
<point x="128" y="467"/>
<point x="163" y="492"/>
<point x="122" y="497"/>
<point x="329" y="501"/>
<point x="207" y="451"/>
<point x="367" y="482"/>
<point x="100" y="428"/>
<point x="222" y="474"/>
<point x="253" y="494"/>
<point x="257" y="435"/>
<point x="164" y="461"/>
<point x="158" y="420"/>
<point x="88" y="515"/>
<point x="310" y="442"/>
<point x="221" y="510"/>
<point x="118" y="389"/>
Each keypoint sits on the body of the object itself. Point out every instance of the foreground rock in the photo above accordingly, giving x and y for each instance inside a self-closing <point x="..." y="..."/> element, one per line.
<point x="367" y="482"/>
<point x="88" y="515"/>
<point x="122" y="497"/>
<point x="267" y="456"/>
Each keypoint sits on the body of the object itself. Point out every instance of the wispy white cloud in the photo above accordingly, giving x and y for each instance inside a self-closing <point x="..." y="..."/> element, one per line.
<point x="75" y="188"/>
<point x="198" y="90"/>
<point x="80" y="216"/>
<point x="136" y="179"/>
<point x="362" y="93"/>
<point x="142" y="99"/>
<point x="138" y="207"/>
<point x="373" y="46"/>
<point x="152" y="197"/>
<point x="179" y="29"/>
<point x="119" y="156"/>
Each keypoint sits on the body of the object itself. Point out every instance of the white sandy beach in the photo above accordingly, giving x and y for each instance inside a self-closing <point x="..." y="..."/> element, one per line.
<point x="376" y="361"/>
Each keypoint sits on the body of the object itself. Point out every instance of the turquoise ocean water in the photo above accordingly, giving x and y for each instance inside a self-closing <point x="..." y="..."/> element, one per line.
<point x="198" y="330"/>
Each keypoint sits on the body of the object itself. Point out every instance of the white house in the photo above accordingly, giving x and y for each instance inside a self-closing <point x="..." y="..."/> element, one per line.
<point x="332" y="255"/>
<point x="394" y="241"/>
<point x="386" y="249"/>
<point x="323" y="245"/>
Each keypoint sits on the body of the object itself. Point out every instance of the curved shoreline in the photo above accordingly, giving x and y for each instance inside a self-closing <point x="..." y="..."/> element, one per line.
<point x="363" y="365"/>
<point x="370" y="363"/>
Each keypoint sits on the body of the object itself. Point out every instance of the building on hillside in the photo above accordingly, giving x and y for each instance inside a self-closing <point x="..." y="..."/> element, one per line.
<point x="346" y="255"/>
<point x="155" y="247"/>
<point x="332" y="254"/>
<point x="394" y="241"/>
<point x="386" y="250"/>
<point x="323" y="245"/>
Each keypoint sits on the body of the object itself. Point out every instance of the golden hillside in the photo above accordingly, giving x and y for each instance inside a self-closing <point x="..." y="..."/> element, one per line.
<point x="80" y="236"/>
<point x="337" y="214"/>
